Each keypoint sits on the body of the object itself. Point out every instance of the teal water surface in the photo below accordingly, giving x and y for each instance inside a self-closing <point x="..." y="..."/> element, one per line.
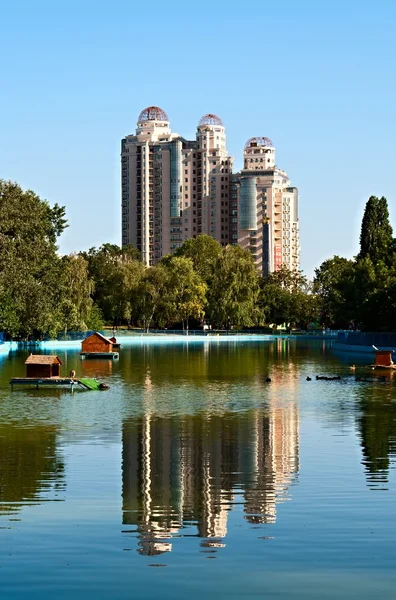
<point x="195" y="477"/>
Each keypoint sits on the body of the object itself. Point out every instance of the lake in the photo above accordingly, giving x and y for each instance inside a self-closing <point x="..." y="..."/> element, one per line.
<point x="194" y="477"/>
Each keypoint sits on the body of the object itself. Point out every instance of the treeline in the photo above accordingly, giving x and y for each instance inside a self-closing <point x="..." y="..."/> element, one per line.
<point x="361" y="293"/>
<point x="42" y="293"/>
<point x="202" y="281"/>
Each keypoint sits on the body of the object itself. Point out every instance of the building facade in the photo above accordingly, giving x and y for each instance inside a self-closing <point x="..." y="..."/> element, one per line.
<point x="174" y="189"/>
<point x="267" y="207"/>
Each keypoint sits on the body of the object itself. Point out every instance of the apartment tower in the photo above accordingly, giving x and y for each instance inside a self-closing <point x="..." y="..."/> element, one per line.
<point x="172" y="188"/>
<point x="267" y="208"/>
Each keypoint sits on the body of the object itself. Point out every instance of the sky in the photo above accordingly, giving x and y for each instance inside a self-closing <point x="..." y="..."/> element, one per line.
<point x="318" y="78"/>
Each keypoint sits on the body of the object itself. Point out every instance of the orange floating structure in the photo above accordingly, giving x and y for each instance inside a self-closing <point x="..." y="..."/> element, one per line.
<point x="97" y="346"/>
<point x="383" y="359"/>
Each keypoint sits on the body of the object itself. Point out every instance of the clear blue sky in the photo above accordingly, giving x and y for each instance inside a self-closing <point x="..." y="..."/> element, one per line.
<point x="318" y="78"/>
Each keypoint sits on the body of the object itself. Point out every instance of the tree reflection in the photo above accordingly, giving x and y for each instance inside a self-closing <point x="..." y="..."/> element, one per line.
<point x="377" y="427"/>
<point x="29" y="465"/>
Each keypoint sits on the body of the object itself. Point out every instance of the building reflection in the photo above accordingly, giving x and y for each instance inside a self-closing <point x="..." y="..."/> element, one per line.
<point x="190" y="471"/>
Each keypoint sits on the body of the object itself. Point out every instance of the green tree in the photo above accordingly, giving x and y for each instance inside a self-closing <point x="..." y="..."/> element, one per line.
<point x="149" y="298"/>
<point x="95" y="320"/>
<point x="376" y="237"/>
<point x="333" y="283"/>
<point x="286" y="297"/>
<point x="233" y="294"/>
<point x="204" y="251"/>
<point x="75" y="293"/>
<point x="116" y="273"/>
<point x="185" y="295"/>
<point x="29" y="264"/>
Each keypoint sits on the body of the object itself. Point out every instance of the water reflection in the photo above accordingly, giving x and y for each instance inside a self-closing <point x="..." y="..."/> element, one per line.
<point x="377" y="427"/>
<point x="30" y="466"/>
<point x="188" y="471"/>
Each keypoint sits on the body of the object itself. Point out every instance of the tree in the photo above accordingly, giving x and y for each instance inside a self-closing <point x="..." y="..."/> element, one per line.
<point x="29" y="264"/>
<point x="233" y="294"/>
<point x="75" y="293"/>
<point x="185" y="294"/>
<point x="95" y="320"/>
<point x="149" y="296"/>
<point x="376" y="237"/>
<point x="116" y="273"/>
<point x="333" y="285"/>
<point x="286" y="298"/>
<point x="204" y="252"/>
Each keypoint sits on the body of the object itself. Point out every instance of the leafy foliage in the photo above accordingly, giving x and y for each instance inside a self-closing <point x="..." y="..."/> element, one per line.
<point x="43" y="294"/>
<point x="233" y="294"/>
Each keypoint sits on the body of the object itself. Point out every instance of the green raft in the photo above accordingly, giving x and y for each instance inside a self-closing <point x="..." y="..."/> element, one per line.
<point x="91" y="384"/>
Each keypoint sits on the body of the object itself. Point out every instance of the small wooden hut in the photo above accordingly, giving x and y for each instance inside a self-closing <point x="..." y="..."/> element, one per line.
<point x="383" y="359"/>
<point x="116" y="345"/>
<point x="42" y="366"/>
<point x="97" y="345"/>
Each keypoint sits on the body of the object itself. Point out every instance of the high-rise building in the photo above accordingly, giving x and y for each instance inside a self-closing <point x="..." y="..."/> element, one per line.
<point x="267" y="206"/>
<point x="174" y="189"/>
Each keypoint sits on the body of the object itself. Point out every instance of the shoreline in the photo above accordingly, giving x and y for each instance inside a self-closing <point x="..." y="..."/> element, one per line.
<point x="135" y="339"/>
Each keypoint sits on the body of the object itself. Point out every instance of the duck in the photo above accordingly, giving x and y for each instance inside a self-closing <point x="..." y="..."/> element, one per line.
<point x="309" y="379"/>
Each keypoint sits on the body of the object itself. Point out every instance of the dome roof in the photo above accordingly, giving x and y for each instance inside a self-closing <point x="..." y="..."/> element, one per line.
<point x="210" y="119"/>
<point x="258" y="142"/>
<point x="153" y="113"/>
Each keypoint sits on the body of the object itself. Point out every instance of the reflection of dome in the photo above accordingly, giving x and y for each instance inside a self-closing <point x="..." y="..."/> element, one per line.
<point x="210" y="119"/>
<point x="255" y="142"/>
<point x="153" y="113"/>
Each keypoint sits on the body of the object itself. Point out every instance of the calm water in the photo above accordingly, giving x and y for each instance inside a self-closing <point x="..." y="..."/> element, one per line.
<point x="193" y="477"/>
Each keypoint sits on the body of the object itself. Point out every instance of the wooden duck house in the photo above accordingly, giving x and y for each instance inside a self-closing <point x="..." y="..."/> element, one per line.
<point x="116" y="345"/>
<point x="97" y="346"/>
<point x="42" y="366"/>
<point x="383" y="359"/>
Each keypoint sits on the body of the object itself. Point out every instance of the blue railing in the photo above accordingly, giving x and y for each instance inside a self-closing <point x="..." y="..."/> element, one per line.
<point x="359" y="338"/>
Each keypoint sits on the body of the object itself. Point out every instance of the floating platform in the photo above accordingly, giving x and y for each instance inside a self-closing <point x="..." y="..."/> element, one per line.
<point x="57" y="381"/>
<point x="90" y="383"/>
<point x="86" y="383"/>
<point x="108" y="355"/>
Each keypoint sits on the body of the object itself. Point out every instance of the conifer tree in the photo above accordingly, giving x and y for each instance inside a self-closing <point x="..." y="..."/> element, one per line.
<point x="376" y="237"/>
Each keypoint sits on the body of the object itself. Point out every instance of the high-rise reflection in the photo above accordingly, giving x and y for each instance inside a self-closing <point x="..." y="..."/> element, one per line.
<point x="184" y="471"/>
